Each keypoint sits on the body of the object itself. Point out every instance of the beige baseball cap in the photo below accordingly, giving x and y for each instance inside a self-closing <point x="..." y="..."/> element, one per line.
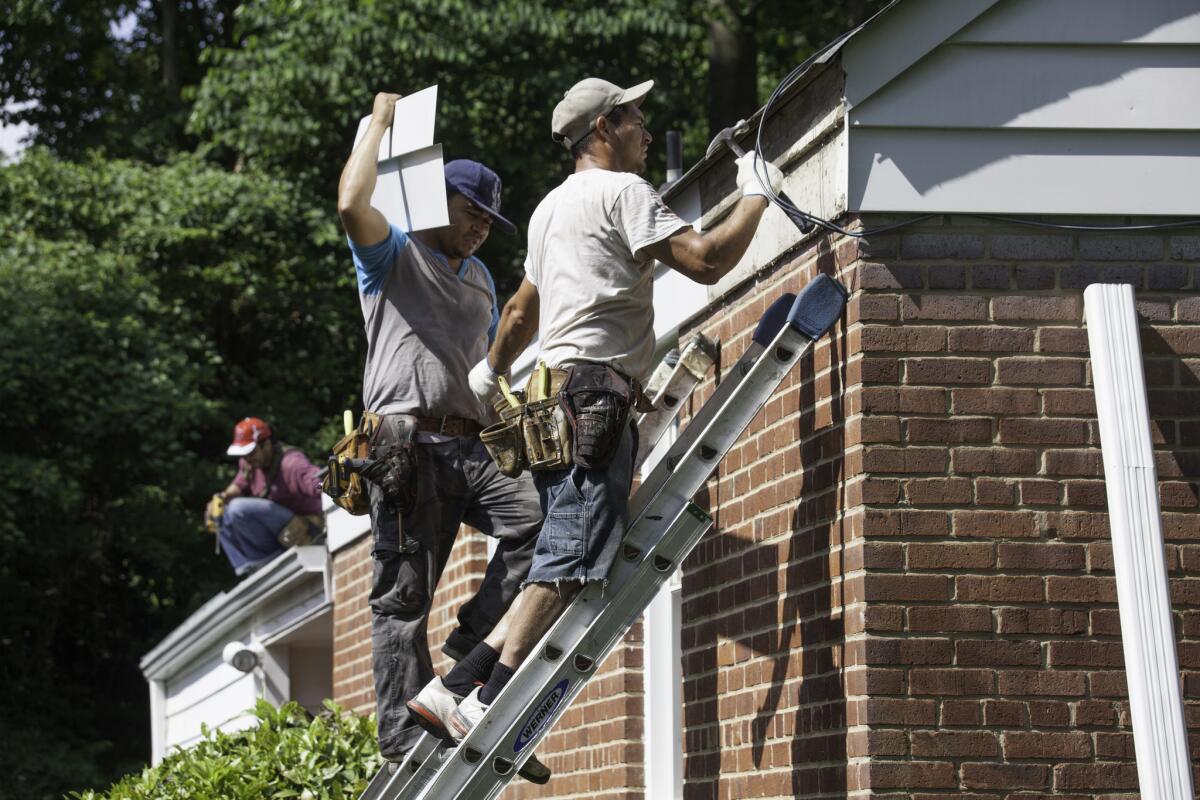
<point x="586" y="100"/>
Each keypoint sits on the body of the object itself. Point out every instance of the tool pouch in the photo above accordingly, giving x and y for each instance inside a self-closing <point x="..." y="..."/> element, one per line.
<point x="596" y="400"/>
<point x="345" y="487"/>
<point x="393" y="469"/>
<point x="505" y="441"/>
<point x="547" y="435"/>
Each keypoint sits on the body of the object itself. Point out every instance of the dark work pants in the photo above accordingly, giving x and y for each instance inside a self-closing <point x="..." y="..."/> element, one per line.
<point x="457" y="483"/>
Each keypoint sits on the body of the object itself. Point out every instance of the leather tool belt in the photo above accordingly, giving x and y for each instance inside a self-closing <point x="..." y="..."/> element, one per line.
<point x="448" y="425"/>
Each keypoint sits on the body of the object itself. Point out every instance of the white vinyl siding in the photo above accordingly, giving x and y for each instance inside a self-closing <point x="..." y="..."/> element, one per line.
<point x="1032" y="107"/>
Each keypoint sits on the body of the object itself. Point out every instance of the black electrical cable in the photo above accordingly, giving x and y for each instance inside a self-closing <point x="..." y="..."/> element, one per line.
<point x="797" y="214"/>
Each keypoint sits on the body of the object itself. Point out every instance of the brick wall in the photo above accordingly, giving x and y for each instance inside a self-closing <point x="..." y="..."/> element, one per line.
<point x="909" y="591"/>
<point x="768" y="595"/>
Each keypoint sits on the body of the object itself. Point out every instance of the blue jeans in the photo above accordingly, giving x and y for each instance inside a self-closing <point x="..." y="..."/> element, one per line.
<point x="587" y="512"/>
<point x="249" y="530"/>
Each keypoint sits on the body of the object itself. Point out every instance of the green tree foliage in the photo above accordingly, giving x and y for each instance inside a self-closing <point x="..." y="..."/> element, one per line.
<point x="172" y="262"/>
<point x="287" y="755"/>
<point x="146" y="309"/>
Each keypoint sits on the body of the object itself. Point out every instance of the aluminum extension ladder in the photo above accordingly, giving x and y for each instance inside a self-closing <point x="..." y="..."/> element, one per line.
<point x="665" y="527"/>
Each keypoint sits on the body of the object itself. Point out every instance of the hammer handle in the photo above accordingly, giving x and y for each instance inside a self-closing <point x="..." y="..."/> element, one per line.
<point x="804" y="225"/>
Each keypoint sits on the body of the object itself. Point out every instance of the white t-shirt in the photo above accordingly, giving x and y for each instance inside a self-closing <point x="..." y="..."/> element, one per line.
<point x="596" y="289"/>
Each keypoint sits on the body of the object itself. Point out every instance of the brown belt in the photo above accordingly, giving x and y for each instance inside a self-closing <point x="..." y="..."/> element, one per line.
<point x="448" y="426"/>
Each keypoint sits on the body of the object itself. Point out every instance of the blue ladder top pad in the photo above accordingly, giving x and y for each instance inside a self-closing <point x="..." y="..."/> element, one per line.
<point x="819" y="305"/>
<point x="774" y="320"/>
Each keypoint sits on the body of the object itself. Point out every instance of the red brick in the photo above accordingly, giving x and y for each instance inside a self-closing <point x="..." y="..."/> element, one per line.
<point x="943" y="307"/>
<point x="863" y="307"/>
<point x="1039" y="493"/>
<point x="904" y="459"/>
<point x="903" y="400"/>
<point x="1005" y="776"/>
<point x="1005" y="713"/>
<point x="995" y="492"/>
<point x="911" y="774"/>
<point x="950" y="555"/>
<point x="1062" y="340"/>
<point x="992" y="653"/>
<point x="1042" y="620"/>
<point x="1043" y="431"/>
<point x="1073" y="777"/>
<point x="938" y="491"/>
<point x="901" y="339"/>
<point x="1016" y="683"/>
<point x="1081" y="590"/>
<point x="955" y="744"/>
<point x="1108" y="684"/>
<point x="1115" y="745"/>
<point x="1046" y="745"/>
<point x="1069" y="402"/>
<point x="949" y="618"/>
<point x="995" y="401"/>
<point x="1040" y="556"/>
<point x="994" y="524"/>
<point x="1037" y="307"/>
<point x="1074" y="462"/>
<point x="992" y="461"/>
<point x="1039" y="371"/>
<point x="945" y="682"/>
<point x="892" y="588"/>
<point x="1086" y="654"/>
<point x="1093" y="713"/>
<point x="888" y="711"/>
<point x="951" y="431"/>
<point x="991" y="340"/>
<point x="961" y="713"/>
<point x="1086" y="493"/>
<point x="1075" y="525"/>
<point x="947" y="371"/>
<point x="878" y="522"/>
<point x="1049" y="714"/>
<point x="975" y="588"/>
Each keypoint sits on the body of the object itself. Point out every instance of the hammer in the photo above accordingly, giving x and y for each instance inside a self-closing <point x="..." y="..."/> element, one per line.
<point x="725" y="137"/>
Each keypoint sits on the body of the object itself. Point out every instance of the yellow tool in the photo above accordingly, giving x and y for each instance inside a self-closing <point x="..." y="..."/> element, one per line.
<point x="509" y="397"/>
<point x="542" y="376"/>
<point x="216" y="507"/>
<point x="348" y="421"/>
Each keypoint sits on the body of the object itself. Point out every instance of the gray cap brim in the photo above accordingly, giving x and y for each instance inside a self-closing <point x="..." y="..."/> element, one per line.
<point x="636" y="94"/>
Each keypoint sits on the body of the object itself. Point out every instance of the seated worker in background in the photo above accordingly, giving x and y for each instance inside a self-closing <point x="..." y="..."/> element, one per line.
<point x="273" y="503"/>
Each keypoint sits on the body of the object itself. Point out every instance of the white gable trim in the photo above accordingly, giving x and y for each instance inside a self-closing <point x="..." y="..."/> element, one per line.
<point x="892" y="43"/>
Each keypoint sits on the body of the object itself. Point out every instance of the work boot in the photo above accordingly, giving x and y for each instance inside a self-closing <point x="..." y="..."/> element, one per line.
<point x="467" y="715"/>
<point x="432" y="708"/>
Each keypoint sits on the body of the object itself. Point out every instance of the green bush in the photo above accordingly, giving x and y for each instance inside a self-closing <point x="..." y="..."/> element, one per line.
<point x="289" y="754"/>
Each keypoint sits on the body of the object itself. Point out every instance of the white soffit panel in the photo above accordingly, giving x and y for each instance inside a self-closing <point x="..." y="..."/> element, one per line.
<point x="1143" y="598"/>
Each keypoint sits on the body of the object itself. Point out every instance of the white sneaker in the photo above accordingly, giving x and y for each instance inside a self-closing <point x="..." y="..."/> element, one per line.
<point x="467" y="715"/>
<point x="433" y="708"/>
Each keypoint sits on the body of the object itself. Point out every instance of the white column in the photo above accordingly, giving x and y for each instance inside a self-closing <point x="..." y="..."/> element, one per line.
<point x="158" y="720"/>
<point x="1143" y="597"/>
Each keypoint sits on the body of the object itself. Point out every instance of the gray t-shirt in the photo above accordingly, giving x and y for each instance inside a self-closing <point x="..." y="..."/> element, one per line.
<point x="596" y="289"/>
<point x="427" y="325"/>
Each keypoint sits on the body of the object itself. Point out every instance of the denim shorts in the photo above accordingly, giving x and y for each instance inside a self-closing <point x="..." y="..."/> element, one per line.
<point x="586" y="513"/>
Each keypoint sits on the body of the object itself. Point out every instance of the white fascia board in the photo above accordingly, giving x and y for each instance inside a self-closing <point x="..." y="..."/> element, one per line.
<point x="1143" y="596"/>
<point x="230" y="609"/>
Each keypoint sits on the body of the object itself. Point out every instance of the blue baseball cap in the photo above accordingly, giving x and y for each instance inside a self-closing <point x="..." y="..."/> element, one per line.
<point x="480" y="185"/>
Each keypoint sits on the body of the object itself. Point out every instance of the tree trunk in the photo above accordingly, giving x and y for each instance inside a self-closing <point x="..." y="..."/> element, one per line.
<point x="732" y="66"/>
<point x="168" y="17"/>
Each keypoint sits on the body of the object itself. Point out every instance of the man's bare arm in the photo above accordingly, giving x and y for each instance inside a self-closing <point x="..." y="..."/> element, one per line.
<point x="518" y="325"/>
<point x="364" y="224"/>
<point x="707" y="257"/>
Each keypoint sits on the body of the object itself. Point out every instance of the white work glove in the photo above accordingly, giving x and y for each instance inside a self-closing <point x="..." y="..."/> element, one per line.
<point x="484" y="381"/>
<point x="750" y="182"/>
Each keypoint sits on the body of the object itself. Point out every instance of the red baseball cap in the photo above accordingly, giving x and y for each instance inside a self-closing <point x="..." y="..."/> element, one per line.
<point x="246" y="436"/>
